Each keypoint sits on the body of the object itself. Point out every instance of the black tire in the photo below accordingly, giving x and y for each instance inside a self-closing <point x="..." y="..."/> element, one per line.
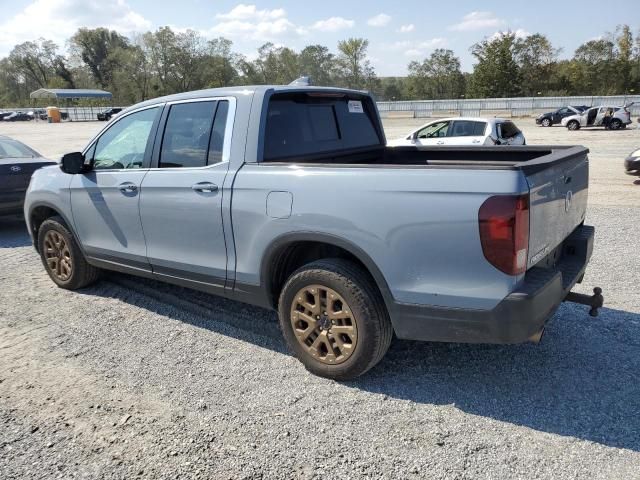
<point x="573" y="125"/>
<point x="615" y="124"/>
<point x="81" y="274"/>
<point x="351" y="282"/>
<point x="546" y="122"/>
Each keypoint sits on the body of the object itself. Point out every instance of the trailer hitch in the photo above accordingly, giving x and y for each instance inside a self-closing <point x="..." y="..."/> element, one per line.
<point x="594" y="301"/>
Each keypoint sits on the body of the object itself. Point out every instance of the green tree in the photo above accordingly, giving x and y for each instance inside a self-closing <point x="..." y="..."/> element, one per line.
<point x="436" y="77"/>
<point x="319" y="63"/>
<point x="355" y="68"/>
<point x="537" y="59"/>
<point x="96" y="47"/>
<point x="497" y="73"/>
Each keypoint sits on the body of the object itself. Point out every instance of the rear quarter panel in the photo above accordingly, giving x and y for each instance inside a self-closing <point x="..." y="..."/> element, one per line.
<point x="418" y="225"/>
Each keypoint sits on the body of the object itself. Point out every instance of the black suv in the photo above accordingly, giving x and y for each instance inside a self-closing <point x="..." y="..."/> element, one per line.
<point x="551" y="118"/>
<point x="107" y="114"/>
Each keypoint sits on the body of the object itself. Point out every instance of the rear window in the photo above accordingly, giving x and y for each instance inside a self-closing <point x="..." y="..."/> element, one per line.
<point x="13" y="149"/>
<point x="300" y="125"/>
<point x="508" y="130"/>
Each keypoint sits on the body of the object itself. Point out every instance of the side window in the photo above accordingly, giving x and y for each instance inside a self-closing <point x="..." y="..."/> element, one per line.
<point x="185" y="143"/>
<point x="435" y="130"/>
<point x="467" y="128"/>
<point x="216" y="143"/>
<point x="123" y="145"/>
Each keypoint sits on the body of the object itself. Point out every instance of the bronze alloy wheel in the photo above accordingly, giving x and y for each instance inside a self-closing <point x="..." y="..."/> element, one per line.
<point x="324" y="324"/>
<point x="58" y="256"/>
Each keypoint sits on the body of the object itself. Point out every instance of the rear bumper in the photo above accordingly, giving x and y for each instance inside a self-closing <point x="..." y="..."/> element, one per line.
<point x="517" y="318"/>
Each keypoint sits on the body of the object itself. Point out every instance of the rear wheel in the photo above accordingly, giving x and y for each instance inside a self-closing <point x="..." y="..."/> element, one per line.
<point x="62" y="258"/>
<point x="334" y="320"/>
<point x="615" y="124"/>
<point x="573" y="125"/>
<point x="546" y="122"/>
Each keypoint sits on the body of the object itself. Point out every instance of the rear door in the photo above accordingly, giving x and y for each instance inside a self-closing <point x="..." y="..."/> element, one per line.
<point x="558" y="204"/>
<point x="467" y="132"/>
<point x="181" y="200"/>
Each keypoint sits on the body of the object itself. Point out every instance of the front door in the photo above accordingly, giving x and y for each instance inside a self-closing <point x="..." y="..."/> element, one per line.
<point x="433" y="134"/>
<point x="105" y="201"/>
<point x="181" y="199"/>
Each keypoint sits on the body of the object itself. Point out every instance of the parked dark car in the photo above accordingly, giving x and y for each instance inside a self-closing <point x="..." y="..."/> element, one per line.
<point x="4" y="115"/>
<point x="552" y="118"/>
<point x="17" y="163"/>
<point x="632" y="163"/>
<point x="107" y="114"/>
<point x="18" y="117"/>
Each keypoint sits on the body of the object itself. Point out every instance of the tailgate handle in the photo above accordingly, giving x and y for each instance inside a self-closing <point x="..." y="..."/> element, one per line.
<point x="567" y="179"/>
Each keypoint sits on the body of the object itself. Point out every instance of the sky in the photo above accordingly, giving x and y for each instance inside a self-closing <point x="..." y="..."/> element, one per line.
<point x="398" y="31"/>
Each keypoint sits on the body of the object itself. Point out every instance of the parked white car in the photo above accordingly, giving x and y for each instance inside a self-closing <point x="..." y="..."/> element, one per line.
<point x="619" y="118"/>
<point x="470" y="131"/>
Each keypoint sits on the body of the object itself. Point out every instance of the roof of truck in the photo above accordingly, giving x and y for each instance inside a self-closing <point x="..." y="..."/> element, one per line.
<point x="241" y="90"/>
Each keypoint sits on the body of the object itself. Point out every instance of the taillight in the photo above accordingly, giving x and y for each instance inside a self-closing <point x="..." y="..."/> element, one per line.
<point x="504" y="232"/>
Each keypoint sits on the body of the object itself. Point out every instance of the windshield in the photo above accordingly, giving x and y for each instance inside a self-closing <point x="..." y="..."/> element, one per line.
<point x="14" y="149"/>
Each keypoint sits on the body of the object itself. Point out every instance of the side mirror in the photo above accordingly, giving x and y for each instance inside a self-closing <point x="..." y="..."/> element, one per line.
<point x="74" y="163"/>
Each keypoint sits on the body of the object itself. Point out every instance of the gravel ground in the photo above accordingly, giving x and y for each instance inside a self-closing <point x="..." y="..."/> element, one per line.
<point x="135" y="379"/>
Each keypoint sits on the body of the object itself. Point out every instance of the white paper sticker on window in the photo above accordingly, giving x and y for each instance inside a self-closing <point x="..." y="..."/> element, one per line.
<point x="355" y="106"/>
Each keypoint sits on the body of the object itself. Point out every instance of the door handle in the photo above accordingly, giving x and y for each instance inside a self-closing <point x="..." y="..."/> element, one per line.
<point x="128" y="187"/>
<point x="205" y="187"/>
<point x="476" y="141"/>
<point x="440" y="142"/>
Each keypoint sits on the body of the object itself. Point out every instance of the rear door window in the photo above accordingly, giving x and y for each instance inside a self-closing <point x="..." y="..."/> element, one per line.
<point x="299" y="125"/>
<point x="467" y="128"/>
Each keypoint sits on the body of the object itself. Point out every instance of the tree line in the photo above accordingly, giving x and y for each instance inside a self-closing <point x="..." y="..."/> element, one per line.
<point x="167" y="61"/>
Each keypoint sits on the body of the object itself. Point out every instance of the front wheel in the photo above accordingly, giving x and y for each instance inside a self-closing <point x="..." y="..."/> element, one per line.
<point x="573" y="125"/>
<point x="546" y="122"/>
<point x="334" y="320"/>
<point x="62" y="258"/>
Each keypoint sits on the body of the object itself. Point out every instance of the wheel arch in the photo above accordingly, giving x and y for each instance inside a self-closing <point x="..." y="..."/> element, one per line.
<point x="289" y="252"/>
<point x="41" y="211"/>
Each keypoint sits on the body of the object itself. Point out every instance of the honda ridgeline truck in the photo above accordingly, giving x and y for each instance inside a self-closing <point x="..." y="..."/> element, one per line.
<point x="288" y="198"/>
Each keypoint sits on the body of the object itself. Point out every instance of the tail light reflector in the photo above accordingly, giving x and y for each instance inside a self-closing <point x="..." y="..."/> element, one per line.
<point x="504" y="232"/>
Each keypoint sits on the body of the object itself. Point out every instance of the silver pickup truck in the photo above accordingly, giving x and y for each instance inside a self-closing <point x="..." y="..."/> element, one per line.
<point x="288" y="198"/>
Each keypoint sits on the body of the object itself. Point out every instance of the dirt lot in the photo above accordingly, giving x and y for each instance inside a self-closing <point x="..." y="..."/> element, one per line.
<point x="135" y="379"/>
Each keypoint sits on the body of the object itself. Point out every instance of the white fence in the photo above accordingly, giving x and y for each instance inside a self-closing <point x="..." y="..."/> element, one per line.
<point x="515" y="107"/>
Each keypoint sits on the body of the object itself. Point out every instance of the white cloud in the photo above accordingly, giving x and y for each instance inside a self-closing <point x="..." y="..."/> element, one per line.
<point x="247" y="22"/>
<point x="381" y="20"/>
<point x="407" y="28"/>
<point x="251" y="12"/>
<point x="477" y="21"/>
<point x="333" y="24"/>
<point x="57" y="20"/>
<point x="417" y="49"/>
<point x="519" y="33"/>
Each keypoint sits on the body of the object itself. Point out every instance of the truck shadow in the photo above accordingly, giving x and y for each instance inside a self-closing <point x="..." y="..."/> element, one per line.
<point x="582" y="381"/>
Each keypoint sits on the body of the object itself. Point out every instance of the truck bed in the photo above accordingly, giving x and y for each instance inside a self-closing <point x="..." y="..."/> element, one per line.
<point x="529" y="159"/>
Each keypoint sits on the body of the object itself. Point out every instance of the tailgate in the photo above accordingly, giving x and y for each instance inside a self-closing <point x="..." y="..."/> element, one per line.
<point x="15" y="174"/>
<point x="558" y="204"/>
